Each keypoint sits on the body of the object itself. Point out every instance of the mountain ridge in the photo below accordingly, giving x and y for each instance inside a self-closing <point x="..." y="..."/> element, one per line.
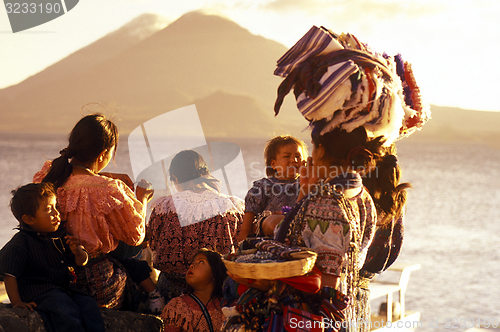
<point x="200" y="59"/>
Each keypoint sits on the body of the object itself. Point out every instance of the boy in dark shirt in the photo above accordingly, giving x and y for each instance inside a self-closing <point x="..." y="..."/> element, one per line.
<point x="36" y="264"/>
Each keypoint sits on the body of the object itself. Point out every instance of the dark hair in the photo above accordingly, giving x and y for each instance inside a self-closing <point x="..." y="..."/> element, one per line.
<point x="187" y="165"/>
<point x="388" y="194"/>
<point x="89" y="138"/>
<point x="218" y="270"/>
<point x="26" y="199"/>
<point x="376" y="163"/>
<point x="274" y="145"/>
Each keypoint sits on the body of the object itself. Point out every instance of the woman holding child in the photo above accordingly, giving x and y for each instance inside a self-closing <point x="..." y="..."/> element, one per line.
<point x="358" y="103"/>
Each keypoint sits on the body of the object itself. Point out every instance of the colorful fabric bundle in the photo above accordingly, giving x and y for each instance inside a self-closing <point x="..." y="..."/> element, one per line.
<point x="258" y="257"/>
<point x="339" y="82"/>
<point x="310" y="283"/>
<point x="278" y="249"/>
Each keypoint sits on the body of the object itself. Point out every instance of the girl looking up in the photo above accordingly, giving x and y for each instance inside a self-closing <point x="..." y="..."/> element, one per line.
<point x="200" y="308"/>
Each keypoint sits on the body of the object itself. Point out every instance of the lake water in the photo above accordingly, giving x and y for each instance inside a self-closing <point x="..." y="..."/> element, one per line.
<point x="452" y="225"/>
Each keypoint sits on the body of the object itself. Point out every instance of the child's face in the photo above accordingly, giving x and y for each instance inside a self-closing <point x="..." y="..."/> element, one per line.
<point x="46" y="219"/>
<point x="287" y="162"/>
<point x="199" y="273"/>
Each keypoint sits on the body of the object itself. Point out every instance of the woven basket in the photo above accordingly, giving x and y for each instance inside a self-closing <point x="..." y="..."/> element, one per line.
<point x="274" y="270"/>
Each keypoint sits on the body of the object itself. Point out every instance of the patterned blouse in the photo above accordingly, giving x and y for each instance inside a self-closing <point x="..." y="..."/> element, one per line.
<point x="187" y="221"/>
<point x="101" y="211"/>
<point x="271" y="194"/>
<point x="322" y="224"/>
<point x="184" y="314"/>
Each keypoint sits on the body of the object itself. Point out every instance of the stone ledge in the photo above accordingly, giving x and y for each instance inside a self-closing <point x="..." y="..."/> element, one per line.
<point x="23" y="320"/>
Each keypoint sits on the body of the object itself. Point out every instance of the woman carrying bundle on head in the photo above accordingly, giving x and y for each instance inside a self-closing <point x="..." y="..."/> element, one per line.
<point x="102" y="211"/>
<point x="197" y="216"/>
<point x="358" y="103"/>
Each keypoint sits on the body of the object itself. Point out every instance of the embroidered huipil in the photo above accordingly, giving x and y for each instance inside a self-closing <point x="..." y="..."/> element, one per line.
<point x="187" y="221"/>
<point x="322" y="224"/>
<point x="328" y="231"/>
<point x="184" y="314"/>
<point x="101" y="211"/>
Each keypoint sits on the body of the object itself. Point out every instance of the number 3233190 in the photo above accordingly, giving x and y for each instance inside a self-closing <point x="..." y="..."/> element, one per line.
<point x="32" y="8"/>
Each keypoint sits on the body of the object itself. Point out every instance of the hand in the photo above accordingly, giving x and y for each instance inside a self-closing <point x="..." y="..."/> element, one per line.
<point x="308" y="177"/>
<point x="73" y="243"/>
<point x="144" y="191"/>
<point x="119" y="176"/>
<point x="30" y="306"/>
<point x="81" y="255"/>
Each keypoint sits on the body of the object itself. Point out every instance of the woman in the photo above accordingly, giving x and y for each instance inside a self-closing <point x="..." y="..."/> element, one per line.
<point x="100" y="210"/>
<point x="197" y="216"/>
<point x="337" y="216"/>
<point x="357" y="103"/>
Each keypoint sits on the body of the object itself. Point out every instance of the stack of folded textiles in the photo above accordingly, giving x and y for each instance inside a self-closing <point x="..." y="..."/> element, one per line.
<point x="343" y="83"/>
<point x="270" y="251"/>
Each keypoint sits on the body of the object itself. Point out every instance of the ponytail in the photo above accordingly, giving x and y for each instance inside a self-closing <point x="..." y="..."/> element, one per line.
<point x="59" y="171"/>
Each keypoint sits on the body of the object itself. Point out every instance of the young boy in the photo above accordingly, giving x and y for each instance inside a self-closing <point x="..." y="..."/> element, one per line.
<point x="36" y="264"/>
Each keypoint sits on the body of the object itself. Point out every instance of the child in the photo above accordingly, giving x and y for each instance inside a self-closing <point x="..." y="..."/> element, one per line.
<point x="36" y="264"/>
<point x="200" y="308"/>
<point x="283" y="155"/>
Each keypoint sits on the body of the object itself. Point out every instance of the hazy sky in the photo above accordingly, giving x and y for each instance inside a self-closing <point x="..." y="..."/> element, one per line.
<point x="452" y="44"/>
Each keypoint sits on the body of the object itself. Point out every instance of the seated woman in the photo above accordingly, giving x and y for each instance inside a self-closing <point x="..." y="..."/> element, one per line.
<point x="102" y="211"/>
<point x="196" y="217"/>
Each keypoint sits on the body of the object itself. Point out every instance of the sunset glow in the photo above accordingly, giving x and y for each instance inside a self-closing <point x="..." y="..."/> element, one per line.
<point x="448" y="42"/>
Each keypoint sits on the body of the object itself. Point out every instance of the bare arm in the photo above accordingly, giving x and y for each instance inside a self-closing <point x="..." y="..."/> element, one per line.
<point x="269" y="224"/>
<point x="246" y="226"/>
<point x="329" y="280"/>
<point x="13" y="293"/>
<point x="260" y="284"/>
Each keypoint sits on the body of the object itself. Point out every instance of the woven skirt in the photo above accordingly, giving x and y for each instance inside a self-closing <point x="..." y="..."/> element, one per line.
<point x="107" y="281"/>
